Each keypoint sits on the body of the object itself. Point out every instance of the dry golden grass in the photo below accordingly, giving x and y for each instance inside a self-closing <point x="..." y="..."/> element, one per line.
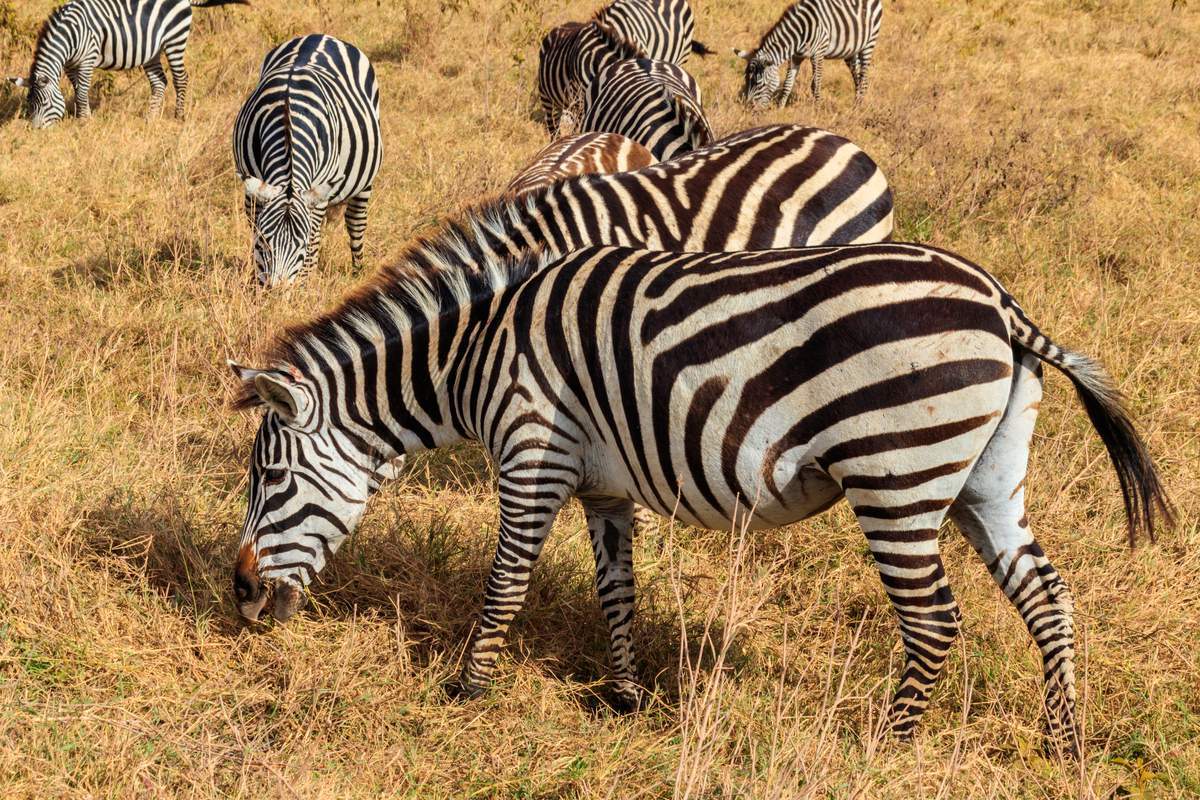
<point x="1055" y="142"/>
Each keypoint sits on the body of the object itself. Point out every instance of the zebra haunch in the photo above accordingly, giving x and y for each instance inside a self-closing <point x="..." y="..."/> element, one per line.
<point x="655" y="103"/>
<point x="755" y="389"/>
<point x="307" y="138"/>
<point x="84" y="35"/>
<point x="812" y="30"/>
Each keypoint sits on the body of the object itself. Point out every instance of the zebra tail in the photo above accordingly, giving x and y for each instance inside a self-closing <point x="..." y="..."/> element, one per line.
<point x="1141" y="486"/>
<point x="701" y="49"/>
<point x="215" y="3"/>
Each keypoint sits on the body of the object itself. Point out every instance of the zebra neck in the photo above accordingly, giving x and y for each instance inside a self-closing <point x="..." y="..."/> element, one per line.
<point x="59" y="45"/>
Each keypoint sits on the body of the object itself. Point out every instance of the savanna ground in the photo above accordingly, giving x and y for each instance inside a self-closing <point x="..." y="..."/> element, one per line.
<point x="1055" y="142"/>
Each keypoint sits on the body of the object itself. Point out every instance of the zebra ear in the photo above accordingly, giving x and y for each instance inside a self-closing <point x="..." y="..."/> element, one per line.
<point x="262" y="192"/>
<point x="273" y="388"/>
<point x="19" y="81"/>
<point x="742" y="53"/>
<point x="317" y="194"/>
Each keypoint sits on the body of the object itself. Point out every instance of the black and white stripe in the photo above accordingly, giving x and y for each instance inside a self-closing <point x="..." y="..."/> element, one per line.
<point x="307" y="138"/>
<point x="85" y="35"/>
<point x="573" y="54"/>
<point x="654" y="103"/>
<point x="583" y="154"/>
<point x="753" y="388"/>
<point x="814" y="30"/>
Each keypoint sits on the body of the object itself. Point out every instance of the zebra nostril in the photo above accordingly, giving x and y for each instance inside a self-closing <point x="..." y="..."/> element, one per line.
<point x="246" y="588"/>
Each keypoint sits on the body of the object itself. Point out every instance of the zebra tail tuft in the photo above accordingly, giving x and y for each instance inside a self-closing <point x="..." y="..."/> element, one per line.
<point x="701" y="49"/>
<point x="1142" y="489"/>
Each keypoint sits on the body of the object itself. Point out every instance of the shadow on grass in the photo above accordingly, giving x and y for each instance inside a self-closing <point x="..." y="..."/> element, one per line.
<point x="144" y="264"/>
<point x="424" y="576"/>
<point x="12" y="100"/>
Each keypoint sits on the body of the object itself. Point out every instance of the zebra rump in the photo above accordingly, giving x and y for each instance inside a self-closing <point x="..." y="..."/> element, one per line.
<point x="84" y="35"/>
<point x="663" y="28"/>
<point x="307" y="138"/>
<point x="580" y="155"/>
<point x="655" y="103"/>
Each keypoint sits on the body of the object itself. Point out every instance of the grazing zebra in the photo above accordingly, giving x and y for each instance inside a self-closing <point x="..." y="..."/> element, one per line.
<point x="754" y="388"/>
<point x="654" y="103"/>
<point x="572" y="55"/>
<point x="307" y="138"/>
<point x="580" y="155"/>
<point x="84" y="35"/>
<point x="816" y="30"/>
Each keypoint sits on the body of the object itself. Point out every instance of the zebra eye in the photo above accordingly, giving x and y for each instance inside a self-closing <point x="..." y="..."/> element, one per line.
<point x="273" y="476"/>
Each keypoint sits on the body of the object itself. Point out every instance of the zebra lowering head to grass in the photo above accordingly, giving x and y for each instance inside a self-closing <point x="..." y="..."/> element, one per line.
<point x="776" y="186"/>
<point x="654" y="103"/>
<point x="85" y="35"/>
<point x="307" y="138"/>
<point x="752" y="389"/>
<point x="814" y="30"/>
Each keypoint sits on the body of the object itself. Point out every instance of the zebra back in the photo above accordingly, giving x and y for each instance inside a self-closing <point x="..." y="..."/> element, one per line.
<point x="663" y="28"/>
<point x="834" y="28"/>
<point x="580" y="155"/>
<point x="655" y="103"/>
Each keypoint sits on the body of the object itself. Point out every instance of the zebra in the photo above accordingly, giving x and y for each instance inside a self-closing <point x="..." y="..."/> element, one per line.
<point x="307" y="138"/>
<point x="573" y="54"/>
<point x="654" y="103"/>
<point x="754" y="388"/>
<point x="580" y="155"/>
<point x="84" y="35"/>
<point x="816" y="30"/>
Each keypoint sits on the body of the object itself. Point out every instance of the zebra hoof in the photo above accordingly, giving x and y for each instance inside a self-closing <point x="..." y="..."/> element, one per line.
<point x="460" y="691"/>
<point x="625" y="701"/>
<point x="1056" y="744"/>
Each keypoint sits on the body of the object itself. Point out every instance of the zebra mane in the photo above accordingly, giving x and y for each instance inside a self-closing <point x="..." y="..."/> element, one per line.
<point x="48" y="26"/>
<point x="439" y="273"/>
<point x="624" y="48"/>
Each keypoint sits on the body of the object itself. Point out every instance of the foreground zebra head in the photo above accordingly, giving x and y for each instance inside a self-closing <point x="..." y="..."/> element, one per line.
<point x="287" y="228"/>
<point x="309" y="485"/>
<point x="761" y="82"/>
<point x="45" y="104"/>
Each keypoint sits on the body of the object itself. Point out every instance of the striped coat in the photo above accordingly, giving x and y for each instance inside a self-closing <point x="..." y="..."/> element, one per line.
<point x="584" y="154"/>
<point x="654" y="103"/>
<point x="85" y="35"/>
<point x="572" y="55"/>
<point x="307" y="138"/>
<point x="812" y="30"/>
<point x="754" y="389"/>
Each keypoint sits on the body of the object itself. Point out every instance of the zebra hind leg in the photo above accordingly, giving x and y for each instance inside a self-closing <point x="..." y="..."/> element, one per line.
<point x="179" y="75"/>
<point x="610" y="525"/>
<point x="356" y="224"/>
<point x="860" y="81"/>
<point x="158" y="85"/>
<point x="991" y="513"/>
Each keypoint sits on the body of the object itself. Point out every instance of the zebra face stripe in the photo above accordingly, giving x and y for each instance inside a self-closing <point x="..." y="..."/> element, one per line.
<point x="761" y="84"/>
<point x="285" y="232"/>
<point x="308" y="490"/>
<point x="45" y="104"/>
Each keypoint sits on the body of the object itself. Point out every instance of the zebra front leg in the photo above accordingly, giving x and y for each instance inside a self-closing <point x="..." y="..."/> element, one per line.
<point x="903" y="541"/>
<point x="860" y="81"/>
<point x="158" y="85"/>
<point x="610" y="525"/>
<point x="529" y="502"/>
<point x="817" y="61"/>
<point x="789" y="82"/>
<point x="81" y="82"/>
<point x="991" y="513"/>
<point x="356" y="224"/>
<point x="179" y="75"/>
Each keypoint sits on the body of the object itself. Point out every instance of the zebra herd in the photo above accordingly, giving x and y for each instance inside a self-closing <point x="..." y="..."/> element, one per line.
<point x="717" y="329"/>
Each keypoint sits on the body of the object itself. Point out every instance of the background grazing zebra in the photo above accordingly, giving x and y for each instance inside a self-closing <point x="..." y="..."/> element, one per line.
<point x="84" y="35"/>
<point x="580" y="155"/>
<point x="572" y="55"/>
<point x="753" y="388"/>
<point x="655" y="103"/>
<point x="815" y="30"/>
<point x="305" y="139"/>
